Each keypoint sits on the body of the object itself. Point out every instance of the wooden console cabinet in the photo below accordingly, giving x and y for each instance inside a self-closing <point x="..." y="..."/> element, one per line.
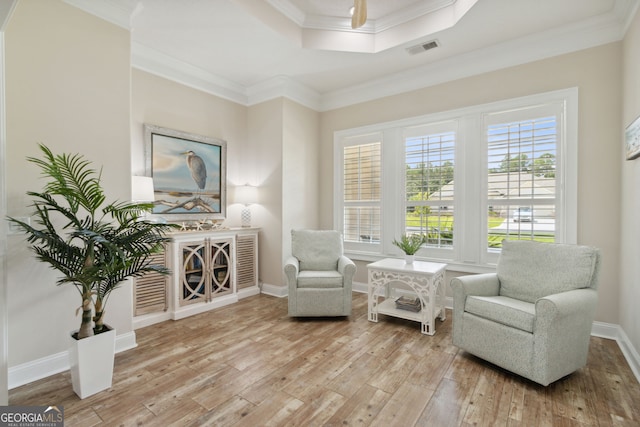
<point x="209" y="269"/>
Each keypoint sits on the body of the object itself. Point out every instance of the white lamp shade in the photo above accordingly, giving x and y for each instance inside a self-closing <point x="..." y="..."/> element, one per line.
<point x="246" y="194"/>
<point x="142" y="189"/>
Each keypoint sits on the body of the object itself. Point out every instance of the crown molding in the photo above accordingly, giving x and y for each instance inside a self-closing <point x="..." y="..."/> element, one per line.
<point x="334" y="33"/>
<point x="626" y="10"/>
<point x="284" y="86"/>
<point x="289" y="10"/>
<point x="597" y="31"/>
<point x="6" y="10"/>
<point x="584" y="35"/>
<point x="372" y="26"/>
<point x="118" y="12"/>
<point x="165" y="66"/>
<point x="160" y="64"/>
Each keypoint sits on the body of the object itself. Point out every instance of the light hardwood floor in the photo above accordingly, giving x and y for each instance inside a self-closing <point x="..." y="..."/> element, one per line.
<point x="248" y="364"/>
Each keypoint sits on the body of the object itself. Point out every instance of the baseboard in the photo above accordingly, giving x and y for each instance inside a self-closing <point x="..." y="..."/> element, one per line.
<point x="605" y="330"/>
<point x="126" y="341"/>
<point x="629" y="352"/>
<point x="359" y="287"/>
<point x="150" y="319"/>
<point x="153" y="318"/>
<point x="615" y="332"/>
<point x="248" y="292"/>
<point x="38" y="369"/>
<point x="56" y="363"/>
<point x="274" y="290"/>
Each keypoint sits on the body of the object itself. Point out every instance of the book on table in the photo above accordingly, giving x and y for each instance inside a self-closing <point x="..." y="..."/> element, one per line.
<point x="408" y="303"/>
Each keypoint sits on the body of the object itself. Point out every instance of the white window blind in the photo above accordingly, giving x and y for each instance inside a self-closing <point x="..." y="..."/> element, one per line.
<point x="361" y="192"/>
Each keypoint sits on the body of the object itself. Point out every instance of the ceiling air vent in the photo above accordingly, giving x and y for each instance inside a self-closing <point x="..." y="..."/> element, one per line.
<point x="422" y="47"/>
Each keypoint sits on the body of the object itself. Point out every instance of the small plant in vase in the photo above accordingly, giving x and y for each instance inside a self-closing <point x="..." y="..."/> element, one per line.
<point x="410" y="244"/>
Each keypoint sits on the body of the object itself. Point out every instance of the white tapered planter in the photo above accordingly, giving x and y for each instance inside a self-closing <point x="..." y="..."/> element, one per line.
<point x="91" y="361"/>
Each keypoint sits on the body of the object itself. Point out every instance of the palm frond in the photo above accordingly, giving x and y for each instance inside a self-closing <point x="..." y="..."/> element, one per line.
<point x="127" y="212"/>
<point x="72" y="178"/>
<point x="47" y="203"/>
<point x="95" y="254"/>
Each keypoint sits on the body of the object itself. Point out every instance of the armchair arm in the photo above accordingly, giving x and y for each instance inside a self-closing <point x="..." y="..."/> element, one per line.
<point x="475" y="284"/>
<point x="562" y="331"/>
<point x="347" y="268"/>
<point x="577" y="305"/>
<point x="291" y="268"/>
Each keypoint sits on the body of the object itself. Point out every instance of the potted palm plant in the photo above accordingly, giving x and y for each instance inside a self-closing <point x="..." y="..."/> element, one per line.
<point x="409" y="244"/>
<point x="93" y="245"/>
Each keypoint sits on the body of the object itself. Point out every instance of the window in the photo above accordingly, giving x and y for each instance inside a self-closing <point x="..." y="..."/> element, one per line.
<point x="361" y="190"/>
<point x="465" y="179"/>
<point x="521" y="182"/>
<point x="429" y="185"/>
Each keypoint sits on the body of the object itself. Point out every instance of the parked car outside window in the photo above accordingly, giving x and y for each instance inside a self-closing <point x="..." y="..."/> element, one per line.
<point x="522" y="214"/>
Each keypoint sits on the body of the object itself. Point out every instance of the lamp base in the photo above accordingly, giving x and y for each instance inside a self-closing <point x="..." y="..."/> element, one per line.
<point x="245" y="217"/>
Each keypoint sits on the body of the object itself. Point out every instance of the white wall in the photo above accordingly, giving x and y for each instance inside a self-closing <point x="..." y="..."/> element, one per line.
<point x="4" y="307"/>
<point x="6" y="9"/>
<point x="67" y="86"/>
<point x="630" y="204"/>
<point x="161" y="102"/>
<point x="595" y="72"/>
<point x="263" y="164"/>
<point x="300" y="184"/>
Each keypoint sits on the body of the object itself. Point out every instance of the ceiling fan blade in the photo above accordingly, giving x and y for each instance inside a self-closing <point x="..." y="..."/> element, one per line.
<point x="359" y="13"/>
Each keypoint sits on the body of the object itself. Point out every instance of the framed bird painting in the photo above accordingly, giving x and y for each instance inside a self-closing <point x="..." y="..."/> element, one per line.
<point x="189" y="174"/>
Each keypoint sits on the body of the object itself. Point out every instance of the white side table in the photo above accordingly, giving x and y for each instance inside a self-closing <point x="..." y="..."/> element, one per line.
<point x="424" y="278"/>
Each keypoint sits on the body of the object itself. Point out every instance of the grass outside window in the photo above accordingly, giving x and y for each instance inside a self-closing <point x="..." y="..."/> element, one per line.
<point x="439" y="228"/>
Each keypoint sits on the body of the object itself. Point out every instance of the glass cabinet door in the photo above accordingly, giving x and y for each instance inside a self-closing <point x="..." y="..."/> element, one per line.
<point x="193" y="273"/>
<point x="220" y="280"/>
<point x="205" y="270"/>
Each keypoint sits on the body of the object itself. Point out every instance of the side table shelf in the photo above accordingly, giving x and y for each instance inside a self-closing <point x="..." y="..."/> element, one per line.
<point x="388" y="307"/>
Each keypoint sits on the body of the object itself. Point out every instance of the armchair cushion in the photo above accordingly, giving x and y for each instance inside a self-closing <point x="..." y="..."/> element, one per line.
<point x="531" y="270"/>
<point x="319" y="279"/>
<point x="316" y="249"/>
<point x="507" y="311"/>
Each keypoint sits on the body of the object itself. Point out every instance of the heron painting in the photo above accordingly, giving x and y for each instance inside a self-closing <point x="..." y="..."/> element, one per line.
<point x="188" y="173"/>
<point x="198" y="169"/>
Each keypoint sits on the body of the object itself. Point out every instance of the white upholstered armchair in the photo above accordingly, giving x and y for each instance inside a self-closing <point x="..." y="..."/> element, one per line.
<point x="319" y="276"/>
<point x="533" y="316"/>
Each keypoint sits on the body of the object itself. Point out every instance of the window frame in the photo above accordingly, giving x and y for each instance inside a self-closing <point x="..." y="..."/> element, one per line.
<point x="350" y="141"/>
<point x="520" y="115"/>
<point x="469" y="252"/>
<point x="427" y="129"/>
